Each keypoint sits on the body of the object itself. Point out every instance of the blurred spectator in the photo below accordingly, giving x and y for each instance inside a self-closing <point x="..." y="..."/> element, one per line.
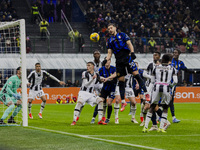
<point x="28" y="45"/>
<point x="58" y="10"/>
<point x="39" y="5"/>
<point x="152" y="45"/>
<point x="69" y="83"/>
<point x="77" y="83"/>
<point x="185" y="29"/>
<point x="81" y="42"/>
<point x="68" y="9"/>
<point x="139" y="46"/>
<point x="51" y="12"/>
<point x="46" y="8"/>
<point x="189" y="45"/>
<point x="73" y="34"/>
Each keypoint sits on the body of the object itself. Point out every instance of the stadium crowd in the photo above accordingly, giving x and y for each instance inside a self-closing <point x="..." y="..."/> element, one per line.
<point x="170" y="23"/>
<point x="7" y="11"/>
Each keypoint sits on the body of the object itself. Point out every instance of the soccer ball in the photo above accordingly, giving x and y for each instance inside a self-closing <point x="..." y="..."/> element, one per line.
<point x="94" y="37"/>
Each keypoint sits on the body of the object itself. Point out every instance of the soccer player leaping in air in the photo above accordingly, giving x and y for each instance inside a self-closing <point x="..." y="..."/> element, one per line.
<point x="121" y="46"/>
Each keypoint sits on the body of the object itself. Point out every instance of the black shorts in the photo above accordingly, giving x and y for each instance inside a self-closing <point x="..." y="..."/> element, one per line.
<point x="104" y="94"/>
<point x="125" y="66"/>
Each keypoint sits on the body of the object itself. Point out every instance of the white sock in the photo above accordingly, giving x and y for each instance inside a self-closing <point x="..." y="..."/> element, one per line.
<point x="116" y="110"/>
<point x="100" y="111"/>
<point x="163" y="120"/>
<point x="133" y="110"/>
<point x="42" y="106"/>
<point x="76" y="111"/>
<point x="123" y="101"/>
<point x="141" y="111"/>
<point x="80" y="111"/>
<point x="147" y="120"/>
<point x="104" y="109"/>
<point x="29" y="107"/>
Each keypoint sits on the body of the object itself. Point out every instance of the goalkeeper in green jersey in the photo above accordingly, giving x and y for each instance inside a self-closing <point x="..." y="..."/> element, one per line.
<point x="10" y="97"/>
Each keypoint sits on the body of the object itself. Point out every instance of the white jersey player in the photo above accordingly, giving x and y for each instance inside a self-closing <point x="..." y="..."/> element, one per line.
<point x="86" y="93"/>
<point x="35" y="79"/>
<point x="161" y="77"/>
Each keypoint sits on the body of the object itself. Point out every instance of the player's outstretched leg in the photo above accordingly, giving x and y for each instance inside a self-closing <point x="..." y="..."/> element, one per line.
<point x="116" y="111"/>
<point x="29" y="108"/>
<point x="6" y="113"/>
<point x="94" y="114"/>
<point x="42" y="106"/>
<point x="76" y="112"/>
<point x="100" y="111"/>
<point x="15" y="112"/>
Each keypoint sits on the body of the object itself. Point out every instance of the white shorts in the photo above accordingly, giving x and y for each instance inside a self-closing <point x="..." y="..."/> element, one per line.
<point x="128" y="91"/>
<point x="84" y="97"/>
<point x="33" y="94"/>
<point x="163" y="93"/>
<point x="97" y="88"/>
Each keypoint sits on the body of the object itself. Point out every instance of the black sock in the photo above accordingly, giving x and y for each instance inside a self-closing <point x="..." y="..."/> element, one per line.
<point x="159" y="112"/>
<point x="153" y="119"/>
<point x="141" y="100"/>
<point x="95" y="111"/>
<point x="122" y="89"/>
<point x="141" y="82"/>
<point x="109" y="111"/>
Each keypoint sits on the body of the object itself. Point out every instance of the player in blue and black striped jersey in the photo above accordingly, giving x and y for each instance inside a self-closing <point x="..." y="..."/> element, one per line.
<point x="121" y="46"/>
<point x="178" y="65"/>
<point x="108" y="77"/>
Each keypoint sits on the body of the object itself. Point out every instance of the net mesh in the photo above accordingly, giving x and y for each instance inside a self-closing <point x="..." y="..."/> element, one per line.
<point x="9" y="45"/>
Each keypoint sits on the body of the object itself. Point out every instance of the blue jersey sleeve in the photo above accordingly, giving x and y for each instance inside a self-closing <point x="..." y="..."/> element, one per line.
<point x="182" y="67"/>
<point x="108" y="44"/>
<point x="125" y="37"/>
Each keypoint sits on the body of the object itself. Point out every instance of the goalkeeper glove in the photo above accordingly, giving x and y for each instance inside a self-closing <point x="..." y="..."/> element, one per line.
<point x="17" y="96"/>
<point x="133" y="56"/>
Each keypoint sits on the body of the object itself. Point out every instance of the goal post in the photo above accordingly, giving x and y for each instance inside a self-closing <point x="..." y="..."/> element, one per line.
<point x="13" y="42"/>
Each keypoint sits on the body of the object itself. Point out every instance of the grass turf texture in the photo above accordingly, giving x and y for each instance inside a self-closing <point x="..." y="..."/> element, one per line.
<point x="183" y="135"/>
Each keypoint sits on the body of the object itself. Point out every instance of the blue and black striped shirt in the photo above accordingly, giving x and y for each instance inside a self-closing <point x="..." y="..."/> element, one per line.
<point x="178" y="65"/>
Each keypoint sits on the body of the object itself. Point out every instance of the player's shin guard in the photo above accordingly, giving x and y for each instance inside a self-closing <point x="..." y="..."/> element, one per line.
<point x="147" y="120"/>
<point x="163" y="120"/>
<point x="7" y="112"/>
<point x="17" y="109"/>
<point x="29" y="107"/>
<point x="141" y="82"/>
<point x="116" y="110"/>
<point x="100" y="108"/>
<point x="80" y="111"/>
<point x="133" y="110"/>
<point x="77" y="110"/>
<point x="122" y="90"/>
<point x="109" y="111"/>
<point x="42" y="106"/>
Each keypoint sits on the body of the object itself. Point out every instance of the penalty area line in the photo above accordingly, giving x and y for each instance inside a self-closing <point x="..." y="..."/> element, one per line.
<point x="93" y="138"/>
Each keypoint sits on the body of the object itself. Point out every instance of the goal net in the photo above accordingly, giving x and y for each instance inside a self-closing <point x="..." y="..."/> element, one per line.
<point x="12" y="81"/>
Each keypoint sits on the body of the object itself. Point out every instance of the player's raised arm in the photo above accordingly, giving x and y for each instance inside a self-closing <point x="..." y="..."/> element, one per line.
<point x="54" y="78"/>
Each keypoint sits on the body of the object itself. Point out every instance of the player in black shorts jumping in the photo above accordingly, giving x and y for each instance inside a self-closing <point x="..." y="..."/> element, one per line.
<point x="121" y="46"/>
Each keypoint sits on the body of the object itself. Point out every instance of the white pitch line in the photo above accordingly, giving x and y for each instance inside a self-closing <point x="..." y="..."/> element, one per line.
<point x="190" y="120"/>
<point x="93" y="138"/>
<point x="144" y="135"/>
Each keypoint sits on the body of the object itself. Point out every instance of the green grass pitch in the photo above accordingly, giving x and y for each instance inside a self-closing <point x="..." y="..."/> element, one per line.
<point x="55" y="132"/>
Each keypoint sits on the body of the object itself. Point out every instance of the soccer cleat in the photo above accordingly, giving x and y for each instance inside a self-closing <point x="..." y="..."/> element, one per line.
<point x="176" y="120"/>
<point x="104" y="119"/>
<point x="130" y="114"/>
<point x="92" y="121"/>
<point x="116" y="120"/>
<point x="154" y="128"/>
<point x="77" y="118"/>
<point x="2" y="122"/>
<point x="123" y="106"/>
<point x="142" y="124"/>
<point x="30" y="116"/>
<point x="102" y="122"/>
<point x="40" y="115"/>
<point x="11" y="120"/>
<point x="147" y="97"/>
<point x="107" y="121"/>
<point x="161" y="130"/>
<point x="73" y="123"/>
<point x="145" y="130"/>
<point x="141" y="119"/>
<point x="134" y="120"/>
<point x="166" y="125"/>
